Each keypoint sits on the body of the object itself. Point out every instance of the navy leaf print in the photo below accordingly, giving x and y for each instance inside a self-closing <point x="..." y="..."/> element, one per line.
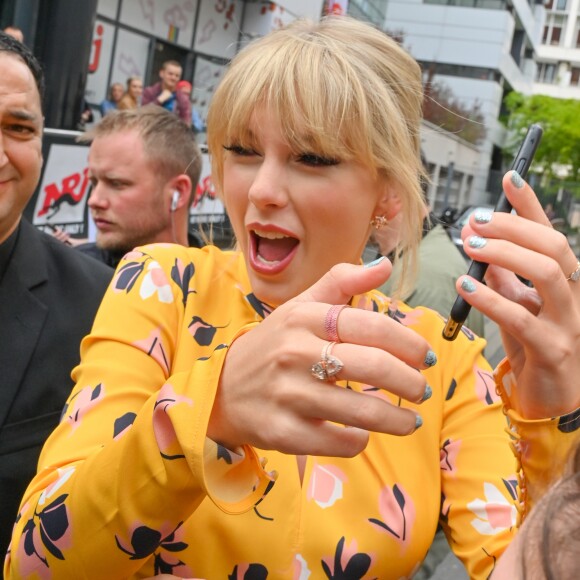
<point x="451" y="389"/>
<point x="224" y="453"/>
<point x="201" y="331"/>
<point x="570" y="422"/>
<point x="183" y="282"/>
<point x="254" y="572"/>
<point x="261" y="308"/>
<point x="355" y="569"/>
<point x="121" y="423"/>
<point x="144" y="542"/>
<point x="128" y="274"/>
<point x="512" y="486"/>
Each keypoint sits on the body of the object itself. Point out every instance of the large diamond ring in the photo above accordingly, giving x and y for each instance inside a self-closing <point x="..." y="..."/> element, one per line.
<point x="575" y="275"/>
<point x="328" y="366"/>
<point x="331" y="321"/>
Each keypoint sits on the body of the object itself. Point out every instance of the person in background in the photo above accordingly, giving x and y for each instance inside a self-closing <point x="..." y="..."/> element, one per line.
<point x="266" y="412"/>
<point x="439" y="264"/>
<point x="144" y="166"/>
<point x="197" y="123"/>
<point x="132" y="97"/>
<point x="114" y="95"/>
<point x="49" y="293"/>
<point x="15" y="32"/>
<point x="165" y="93"/>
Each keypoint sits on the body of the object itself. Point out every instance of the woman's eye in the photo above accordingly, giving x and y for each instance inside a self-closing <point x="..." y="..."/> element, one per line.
<point x="317" y="160"/>
<point x="239" y="150"/>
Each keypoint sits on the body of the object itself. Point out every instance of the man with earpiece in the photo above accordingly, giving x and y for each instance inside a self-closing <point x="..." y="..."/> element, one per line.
<point x="144" y="165"/>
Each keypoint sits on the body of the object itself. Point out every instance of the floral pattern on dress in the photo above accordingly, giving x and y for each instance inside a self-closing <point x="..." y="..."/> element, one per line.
<point x="154" y="347"/>
<point x="398" y="512"/>
<point x="155" y="282"/>
<point x="81" y="403"/>
<point x="494" y="513"/>
<point x="347" y="563"/>
<point x="249" y="572"/>
<point x="448" y="456"/>
<point x="485" y="386"/>
<point x="163" y="428"/>
<point x="182" y="276"/>
<point x="47" y="532"/>
<point x="326" y="485"/>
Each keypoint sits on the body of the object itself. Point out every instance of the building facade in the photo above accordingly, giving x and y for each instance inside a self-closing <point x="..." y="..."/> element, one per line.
<point x="480" y="50"/>
<point x="558" y="55"/>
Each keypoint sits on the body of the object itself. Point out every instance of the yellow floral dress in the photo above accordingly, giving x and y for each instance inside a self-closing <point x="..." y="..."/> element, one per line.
<point x="128" y="485"/>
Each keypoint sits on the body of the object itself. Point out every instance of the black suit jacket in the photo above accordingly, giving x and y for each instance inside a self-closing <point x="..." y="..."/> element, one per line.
<point x="49" y="296"/>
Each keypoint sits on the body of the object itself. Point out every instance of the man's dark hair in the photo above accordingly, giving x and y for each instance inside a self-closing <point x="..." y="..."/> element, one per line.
<point x="12" y="46"/>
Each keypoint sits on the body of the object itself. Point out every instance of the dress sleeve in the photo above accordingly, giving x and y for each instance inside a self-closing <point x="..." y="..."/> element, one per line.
<point x="541" y="447"/>
<point x="478" y="470"/>
<point x="130" y="461"/>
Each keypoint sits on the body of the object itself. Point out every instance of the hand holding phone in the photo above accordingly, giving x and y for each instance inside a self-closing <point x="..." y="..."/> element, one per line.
<point x="521" y="164"/>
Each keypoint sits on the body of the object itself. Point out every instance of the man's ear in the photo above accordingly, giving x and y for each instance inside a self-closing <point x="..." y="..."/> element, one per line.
<point x="390" y="203"/>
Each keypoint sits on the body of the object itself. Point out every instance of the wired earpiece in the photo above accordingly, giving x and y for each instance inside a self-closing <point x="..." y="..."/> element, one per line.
<point x="175" y="200"/>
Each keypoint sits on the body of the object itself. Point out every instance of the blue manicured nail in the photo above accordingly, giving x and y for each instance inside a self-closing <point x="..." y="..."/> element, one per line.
<point x="517" y="180"/>
<point x="375" y="262"/>
<point x="468" y="285"/>
<point x="430" y="358"/>
<point x="476" y="242"/>
<point x="418" y="422"/>
<point x="427" y="394"/>
<point x="483" y="216"/>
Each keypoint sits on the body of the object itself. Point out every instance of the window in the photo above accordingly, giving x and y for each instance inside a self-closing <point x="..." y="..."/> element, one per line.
<point x="556" y="33"/>
<point x="561" y="4"/>
<point x="575" y="76"/>
<point x="546" y="73"/>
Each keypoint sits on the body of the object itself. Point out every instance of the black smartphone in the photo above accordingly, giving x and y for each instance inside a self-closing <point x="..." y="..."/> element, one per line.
<point x="521" y="164"/>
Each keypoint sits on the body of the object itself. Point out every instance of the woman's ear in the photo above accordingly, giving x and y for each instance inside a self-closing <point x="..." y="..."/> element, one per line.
<point x="390" y="203"/>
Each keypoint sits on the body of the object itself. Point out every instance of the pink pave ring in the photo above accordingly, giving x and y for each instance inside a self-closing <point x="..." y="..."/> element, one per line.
<point x="331" y="320"/>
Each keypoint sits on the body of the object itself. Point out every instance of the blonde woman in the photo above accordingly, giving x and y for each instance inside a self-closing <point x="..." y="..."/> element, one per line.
<point x="233" y="418"/>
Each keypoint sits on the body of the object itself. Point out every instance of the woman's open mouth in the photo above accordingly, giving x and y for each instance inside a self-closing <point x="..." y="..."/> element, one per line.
<point x="271" y="251"/>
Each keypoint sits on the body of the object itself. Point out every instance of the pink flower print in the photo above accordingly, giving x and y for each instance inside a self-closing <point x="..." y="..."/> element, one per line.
<point x="448" y="456"/>
<point x="153" y="346"/>
<point x="163" y="427"/>
<point x="406" y="318"/>
<point x="326" y="485"/>
<point x="398" y="512"/>
<point x="494" y="514"/>
<point x="301" y="570"/>
<point x="485" y="386"/>
<point x="81" y="403"/>
<point x="155" y="282"/>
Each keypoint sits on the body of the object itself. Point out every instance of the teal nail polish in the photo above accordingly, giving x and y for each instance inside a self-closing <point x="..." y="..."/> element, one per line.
<point x="427" y="394"/>
<point x="375" y="262"/>
<point x="517" y="180"/>
<point x="468" y="285"/>
<point x="483" y="216"/>
<point x="418" y="422"/>
<point x="430" y="358"/>
<point x="476" y="242"/>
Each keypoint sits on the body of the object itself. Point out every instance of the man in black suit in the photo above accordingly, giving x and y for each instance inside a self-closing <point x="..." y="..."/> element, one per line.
<point x="49" y="293"/>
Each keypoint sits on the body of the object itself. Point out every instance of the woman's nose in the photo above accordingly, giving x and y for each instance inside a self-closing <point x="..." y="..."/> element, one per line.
<point x="269" y="187"/>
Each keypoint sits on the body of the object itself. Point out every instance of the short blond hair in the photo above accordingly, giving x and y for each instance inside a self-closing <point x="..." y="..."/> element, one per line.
<point x="352" y="91"/>
<point x="167" y="141"/>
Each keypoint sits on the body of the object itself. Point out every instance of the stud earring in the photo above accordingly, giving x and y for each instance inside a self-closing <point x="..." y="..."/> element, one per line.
<point x="379" y="221"/>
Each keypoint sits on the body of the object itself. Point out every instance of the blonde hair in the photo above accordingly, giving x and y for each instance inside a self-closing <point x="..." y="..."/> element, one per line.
<point x="340" y="87"/>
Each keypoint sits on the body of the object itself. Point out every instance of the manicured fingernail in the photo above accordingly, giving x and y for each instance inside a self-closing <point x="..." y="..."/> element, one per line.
<point x="375" y="262"/>
<point x="483" y="216"/>
<point x="430" y="358"/>
<point x="468" y="285"/>
<point x="427" y="394"/>
<point x="517" y="180"/>
<point x="476" y="241"/>
<point x="418" y="422"/>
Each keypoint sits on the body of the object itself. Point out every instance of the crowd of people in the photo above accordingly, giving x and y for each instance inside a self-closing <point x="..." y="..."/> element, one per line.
<point x="267" y="411"/>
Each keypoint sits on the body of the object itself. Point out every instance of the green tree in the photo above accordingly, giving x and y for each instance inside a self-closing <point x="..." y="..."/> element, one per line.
<point x="560" y="119"/>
